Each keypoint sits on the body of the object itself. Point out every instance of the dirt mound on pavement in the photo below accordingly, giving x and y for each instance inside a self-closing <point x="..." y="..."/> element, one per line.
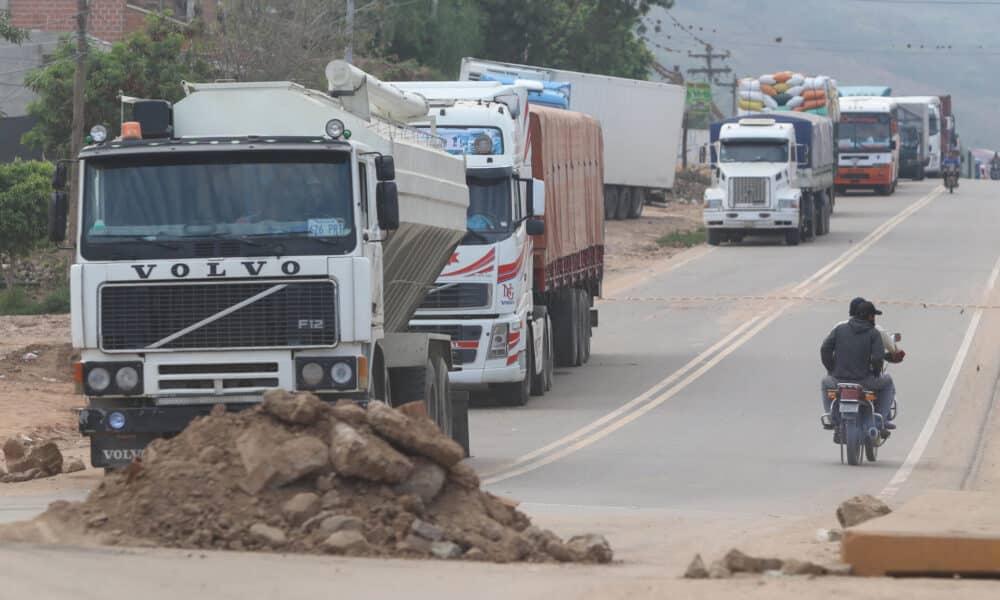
<point x="296" y="474"/>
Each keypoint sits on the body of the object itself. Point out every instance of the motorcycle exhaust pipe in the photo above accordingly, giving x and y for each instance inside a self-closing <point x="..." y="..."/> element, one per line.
<point x="873" y="433"/>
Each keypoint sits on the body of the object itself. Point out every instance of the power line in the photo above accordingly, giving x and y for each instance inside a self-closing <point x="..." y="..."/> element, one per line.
<point x="934" y="2"/>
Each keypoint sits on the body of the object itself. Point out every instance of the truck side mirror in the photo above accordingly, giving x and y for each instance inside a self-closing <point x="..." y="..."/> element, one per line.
<point x="892" y="144"/>
<point x="387" y="205"/>
<point x="58" y="212"/>
<point x="702" y="155"/>
<point x="536" y="198"/>
<point x="535" y="227"/>
<point x="59" y="176"/>
<point x="385" y="168"/>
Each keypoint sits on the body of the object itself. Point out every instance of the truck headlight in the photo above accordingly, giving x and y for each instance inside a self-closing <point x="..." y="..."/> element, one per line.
<point x="127" y="379"/>
<point x="498" y="341"/>
<point x="98" y="379"/>
<point x="312" y="374"/>
<point x="341" y="373"/>
<point x="788" y="203"/>
<point x="713" y="204"/>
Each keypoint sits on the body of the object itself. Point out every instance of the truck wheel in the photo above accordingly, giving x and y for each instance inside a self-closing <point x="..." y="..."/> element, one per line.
<point x="518" y="392"/>
<point x="440" y="408"/>
<point x="428" y="384"/>
<point x="610" y="203"/>
<point x="538" y="379"/>
<point x="550" y="360"/>
<point x="714" y="237"/>
<point x="624" y="203"/>
<point x="638" y="201"/>
<point x="793" y="237"/>
<point x="566" y="329"/>
<point x="884" y="190"/>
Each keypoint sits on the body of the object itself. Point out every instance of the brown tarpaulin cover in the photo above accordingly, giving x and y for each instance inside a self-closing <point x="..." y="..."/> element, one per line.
<point x="567" y="152"/>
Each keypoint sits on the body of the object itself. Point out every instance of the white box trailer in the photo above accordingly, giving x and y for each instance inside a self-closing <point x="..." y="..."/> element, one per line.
<point x="641" y="121"/>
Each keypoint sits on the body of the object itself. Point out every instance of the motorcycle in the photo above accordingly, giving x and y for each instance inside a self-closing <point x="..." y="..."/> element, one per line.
<point x="951" y="178"/>
<point x="859" y="428"/>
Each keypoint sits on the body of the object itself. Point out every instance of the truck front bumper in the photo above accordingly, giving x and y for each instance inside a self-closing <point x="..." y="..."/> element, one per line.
<point x="472" y="378"/>
<point x="751" y="219"/>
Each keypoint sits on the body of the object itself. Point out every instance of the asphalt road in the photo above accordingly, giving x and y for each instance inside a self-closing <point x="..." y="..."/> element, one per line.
<point x="700" y="403"/>
<point x="739" y="432"/>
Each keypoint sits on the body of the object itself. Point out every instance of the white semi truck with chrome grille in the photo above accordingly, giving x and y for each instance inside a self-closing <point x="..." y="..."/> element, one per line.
<point x="772" y="173"/>
<point x="258" y="236"/>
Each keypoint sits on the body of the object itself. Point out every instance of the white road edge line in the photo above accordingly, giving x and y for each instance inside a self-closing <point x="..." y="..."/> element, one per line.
<point x="537" y="458"/>
<point x="923" y="440"/>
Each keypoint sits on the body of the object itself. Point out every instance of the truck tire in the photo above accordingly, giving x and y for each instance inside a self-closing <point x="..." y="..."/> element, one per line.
<point x="565" y="329"/>
<point x="624" y="203"/>
<point x="538" y="379"/>
<point x="793" y="236"/>
<point x="460" y="421"/>
<point x="714" y="237"/>
<point x="638" y="201"/>
<point x="518" y="392"/>
<point x="610" y="203"/>
<point x="428" y="384"/>
<point x="586" y="331"/>
<point x="884" y="190"/>
<point x="808" y="223"/>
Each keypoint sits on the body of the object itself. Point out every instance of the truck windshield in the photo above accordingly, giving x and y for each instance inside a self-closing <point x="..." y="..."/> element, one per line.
<point x="865" y="133"/>
<point x="490" y="213"/>
<point x="769" y="151"/>
<point x="261" y="202"/>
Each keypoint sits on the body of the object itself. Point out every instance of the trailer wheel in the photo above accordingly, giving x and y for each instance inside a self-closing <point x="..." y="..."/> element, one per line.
<point x="714" y="237"/>
<point x="550" y="360"/>
<point x="566" y="329"/>
<point x="638" y="201"/>
<point x="624" y="203"/>
<point x="610" y="202"/>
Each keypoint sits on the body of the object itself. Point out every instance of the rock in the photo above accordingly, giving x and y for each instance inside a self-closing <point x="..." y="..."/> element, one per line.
<point x="345" y="542"/>
<point x="829" y="535"/>
<point x="558" y="550"/>
<point x="718" y="570"/>
<point x="464" y="476"/>
<point x="475" y="554"/>
<point x="349" y="412"/>
<point x="260" y="478"/>
<point x="324" y="483"/>
<point x="414" y="410"/>
<point x="97" y="520"/>
<point x="419" y="436"/>
<point x="425" y="481"/>
<point x="22" y="476"/>
<point x="738" y="562"/>
<point x="297" y="409"/>
<point x="73" y="465"/>
<point x="271" y="465"/>
<point x="333" y="499"/>
<point x="14" y="450"/>
<point x="412" y="504"/>
<point x="802" y="567"/>
<point x="365" y="456"/>
<point x="300" y="507"/>
<point x="209" y="455"/>
<point x="47" y="458"/>
<point x="696" y="570"/>
<point x="590" y="548"/>
<point x="426" y="530"/>
<point x="859" y="509"/>
<point x="335" y="523"/>
<point x="267" y="535"/>
<point x="415" y="543"/>
<point x="446" y="550"/>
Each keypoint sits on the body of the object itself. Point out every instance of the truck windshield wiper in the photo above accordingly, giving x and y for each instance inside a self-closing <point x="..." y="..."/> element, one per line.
<point x="478" y="236"/>
<point x="143" y="239"/>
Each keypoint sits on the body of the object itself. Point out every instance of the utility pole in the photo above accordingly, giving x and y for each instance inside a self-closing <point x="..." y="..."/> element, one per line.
<point x="733" y="87"/>
<point x="709" y="71"/>
<point x="349" y="53"/>
<point x="76" y="138"/>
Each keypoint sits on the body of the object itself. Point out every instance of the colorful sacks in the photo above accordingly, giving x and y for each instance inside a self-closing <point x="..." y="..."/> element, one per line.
<point x="788" y="90"/>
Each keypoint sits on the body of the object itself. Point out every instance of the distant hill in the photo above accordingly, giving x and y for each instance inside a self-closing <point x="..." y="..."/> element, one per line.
<point x="857" y="42"/>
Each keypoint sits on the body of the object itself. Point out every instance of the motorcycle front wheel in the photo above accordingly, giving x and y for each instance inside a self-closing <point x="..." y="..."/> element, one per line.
<point x="853" y="443"/>
<point x="871" y="450"/>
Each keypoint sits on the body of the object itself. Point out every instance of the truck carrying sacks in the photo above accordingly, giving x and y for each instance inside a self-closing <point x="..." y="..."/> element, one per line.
<point x="787" y="91"/>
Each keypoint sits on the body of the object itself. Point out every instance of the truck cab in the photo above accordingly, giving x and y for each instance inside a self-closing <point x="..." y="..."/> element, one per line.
<point x="483" y="297"/>
<point x="754" y="183"/>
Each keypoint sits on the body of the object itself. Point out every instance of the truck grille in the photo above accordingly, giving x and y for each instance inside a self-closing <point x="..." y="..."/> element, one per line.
<point x="748" y="191"/>
<point x="218" y="315"/>
<point x="458" y="333"/>
<point x="457" y="295"/>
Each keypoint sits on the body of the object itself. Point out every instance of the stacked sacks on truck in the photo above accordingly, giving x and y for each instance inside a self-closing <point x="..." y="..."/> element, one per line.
<point x="789" y="91"/>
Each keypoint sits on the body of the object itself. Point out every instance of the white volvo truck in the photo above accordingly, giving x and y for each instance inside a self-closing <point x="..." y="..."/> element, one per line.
<point x="484" y="298"/>
<point x="258" y="236"/>
<point x="773" y="173"/>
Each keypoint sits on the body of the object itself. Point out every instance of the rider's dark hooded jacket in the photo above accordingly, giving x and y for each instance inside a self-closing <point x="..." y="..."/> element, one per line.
<point x="853" y="350"/>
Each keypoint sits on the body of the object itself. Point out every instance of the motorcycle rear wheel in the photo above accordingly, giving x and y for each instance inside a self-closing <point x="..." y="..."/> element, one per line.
<point x="871" y="450"/>
<point x="853" y="443"/>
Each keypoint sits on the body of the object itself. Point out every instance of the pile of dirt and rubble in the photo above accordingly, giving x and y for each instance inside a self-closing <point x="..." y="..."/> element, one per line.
<point x="690" y="184"/>
<point x="296" y="474"/>
<point x="25" y="459"/>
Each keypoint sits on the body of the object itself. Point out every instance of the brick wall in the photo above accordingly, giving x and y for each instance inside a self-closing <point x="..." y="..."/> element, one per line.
<point x="110" y="20"/>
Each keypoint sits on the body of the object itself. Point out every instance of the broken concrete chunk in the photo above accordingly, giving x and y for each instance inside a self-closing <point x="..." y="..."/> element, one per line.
<point x="356" y="454"/>
<point x="802" y="567"/>
<point x="425" y="481"/>
<point x="590" y="548"/>
<point x="300" y="507"/>
<point x="348" y="541"/>
<point x="859" y="509"/>
<point x="73" y="465"/>
<point x="267" y="535"/>
<point x="14" y="450"/>
<point x="446" y="550"/>
<point x="696" y="570"/>
<point x="420" y="436"/>
<point x="738" y="562"/>
<point x="426" y="530"/>
<point x="349" y="412"/>
<point x="297" y="409"/>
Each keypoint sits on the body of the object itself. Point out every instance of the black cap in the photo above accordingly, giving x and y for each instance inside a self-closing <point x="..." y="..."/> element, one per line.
<point x="867" y="309"/>
<point x="853" y="310"/>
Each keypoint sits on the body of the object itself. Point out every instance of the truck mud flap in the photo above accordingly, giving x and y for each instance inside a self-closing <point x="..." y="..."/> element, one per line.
<point x="460" y="419"/>
<point x="593" y="317"/>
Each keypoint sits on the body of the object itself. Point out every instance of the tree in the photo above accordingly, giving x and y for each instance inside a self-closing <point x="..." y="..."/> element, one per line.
<point x="9" y="32"/>
<point x="150" y="63"/>
<point x="433" y="33"/>
<point x="24" y="191"/>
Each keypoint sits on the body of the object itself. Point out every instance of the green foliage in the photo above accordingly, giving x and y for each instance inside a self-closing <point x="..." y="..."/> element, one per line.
<point x="683" y="239"/>
<point x="149" y="64"/>
<point x="438" y="40"/>
<point x="24" y="192"/>
<point x="15" y="301"/>
<point x="9" y="32"/>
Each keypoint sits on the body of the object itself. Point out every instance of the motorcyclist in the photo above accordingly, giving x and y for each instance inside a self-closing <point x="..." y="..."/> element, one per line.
<point x="951" y="161"/>
<point x="854" y="352"/>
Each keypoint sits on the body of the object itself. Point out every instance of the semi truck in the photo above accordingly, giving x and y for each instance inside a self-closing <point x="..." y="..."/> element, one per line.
<point x="914" y="138"/>
<point x="645" y="132"/>
<point x="256" y="236"/>
<point x="934" y="144"/>
<point x="773" y="174"/>
<point x="517" y="294"/>
<point x="868" y="139"/>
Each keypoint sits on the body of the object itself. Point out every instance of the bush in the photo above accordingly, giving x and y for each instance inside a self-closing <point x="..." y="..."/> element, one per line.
<point x="14" y="301"/>
<point x="683" y="239"/>
<point x="24" y="190"/>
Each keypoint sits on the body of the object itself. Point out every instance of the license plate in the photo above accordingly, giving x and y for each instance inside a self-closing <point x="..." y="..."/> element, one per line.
<point x="849" y="408"/>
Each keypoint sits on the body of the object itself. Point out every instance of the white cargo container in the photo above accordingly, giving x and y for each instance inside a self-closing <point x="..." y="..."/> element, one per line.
<point x="641" y="121"/>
